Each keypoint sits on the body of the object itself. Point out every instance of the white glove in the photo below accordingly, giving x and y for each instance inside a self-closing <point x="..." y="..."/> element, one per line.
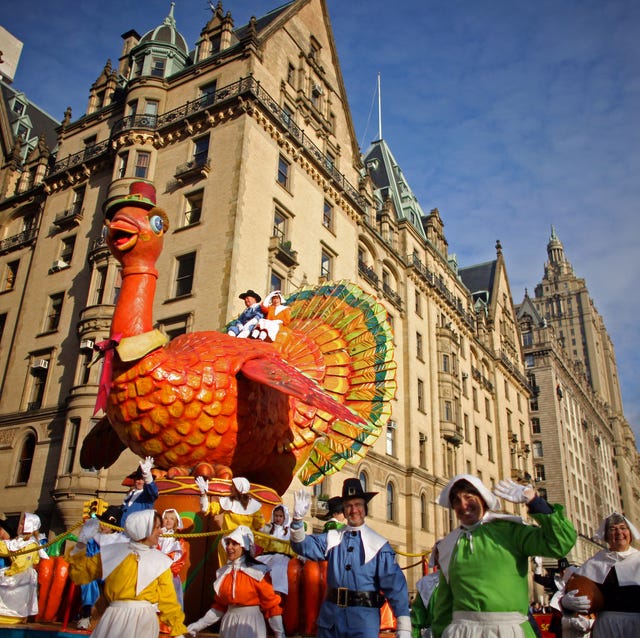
<point x="537" y="562"/>
<point x="89" y="530"/>
<point x="572" y="601"/>
<point x="511" y="491"/>
<point x="275" y="622"/>
<point x="301" y="504"/>
<point x="212" y="616"/>
<point x="203" y="484"/>
<point x="403" y="627"/>
<point x="146" y="466"/>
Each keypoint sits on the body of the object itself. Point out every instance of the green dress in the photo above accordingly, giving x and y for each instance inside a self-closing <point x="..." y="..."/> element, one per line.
<point x="486" y="569"/>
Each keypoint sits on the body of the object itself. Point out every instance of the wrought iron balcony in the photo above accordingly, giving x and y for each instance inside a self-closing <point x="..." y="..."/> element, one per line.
<point x="18" y="241"/>
<point x="368" y="273"/>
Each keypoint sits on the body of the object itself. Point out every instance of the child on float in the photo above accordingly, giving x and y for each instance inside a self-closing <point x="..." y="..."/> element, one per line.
<point x="174" y="548"/>
<point x="244" y="595"/>
<point x="19" y="581"/>
<point x="274" y="553"/>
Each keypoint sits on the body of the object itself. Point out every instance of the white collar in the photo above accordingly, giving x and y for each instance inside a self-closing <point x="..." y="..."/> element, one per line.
<point x="372" y="542"/>
<point x="257" y="572"/>
<point x="229" y="504"/>
<point x="151" y="562"/>
<point x="627" y="566"/>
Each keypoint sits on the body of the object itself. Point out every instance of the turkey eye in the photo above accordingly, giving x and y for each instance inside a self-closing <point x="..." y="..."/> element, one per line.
<point x="156" y="224"/>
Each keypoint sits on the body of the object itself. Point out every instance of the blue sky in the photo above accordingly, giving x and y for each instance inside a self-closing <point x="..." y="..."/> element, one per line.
<point x="509" y="116"/>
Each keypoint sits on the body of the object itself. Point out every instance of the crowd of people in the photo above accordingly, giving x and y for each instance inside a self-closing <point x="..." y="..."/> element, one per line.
<point x="478" y="585"/>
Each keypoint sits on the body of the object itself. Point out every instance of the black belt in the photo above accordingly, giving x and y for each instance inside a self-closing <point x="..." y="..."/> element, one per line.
<point x="344" y="597"/>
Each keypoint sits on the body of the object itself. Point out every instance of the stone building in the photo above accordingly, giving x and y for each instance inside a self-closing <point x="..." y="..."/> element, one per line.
<point x="584" y="451"/>
<point x="249" y="140"/>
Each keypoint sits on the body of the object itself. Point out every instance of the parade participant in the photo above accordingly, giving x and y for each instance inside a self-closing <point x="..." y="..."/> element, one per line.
<point x="243" y="593"/>
<point x="107" y="535"/>
<point x="19" y="581"/>
<point x="239" y="508"/>
<point x="7" y="531"/>
<point x="144" y="492"/>
<point x="276" y="315"/>
<point x="276" y="560"/>
<point x="137" y="579"/>
<point x="173" y="547"/>
<point x="423" y="604"/>
<point x="362" y="569"/>
<point x="483" y="589"/>
<point x="616" y="571"/>
<point x="334" y="517"/>
<point x="249" y="317"/>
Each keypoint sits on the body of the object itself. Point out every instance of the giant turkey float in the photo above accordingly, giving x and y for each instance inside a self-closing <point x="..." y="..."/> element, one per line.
<point x="212" y="405"/>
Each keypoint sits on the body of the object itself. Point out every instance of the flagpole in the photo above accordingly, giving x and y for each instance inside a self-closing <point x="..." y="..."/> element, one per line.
<point x="379" y="110"/>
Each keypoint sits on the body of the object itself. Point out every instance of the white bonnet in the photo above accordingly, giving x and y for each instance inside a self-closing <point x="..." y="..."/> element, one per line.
<point x="492" y="501"/>
<point x="602" y="531"/>
<point x="171" y="510"/>
<point x="241" y="535"/>
<point x="31" y="523"/>
<point x="139" y="525"/>
<point x="241" y="484"/>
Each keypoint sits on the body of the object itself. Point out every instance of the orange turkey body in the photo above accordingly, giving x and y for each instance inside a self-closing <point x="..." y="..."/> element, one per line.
<point x="309" y="402"/>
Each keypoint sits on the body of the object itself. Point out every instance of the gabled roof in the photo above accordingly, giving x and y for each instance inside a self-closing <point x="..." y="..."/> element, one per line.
<point x="389" y="182"/>
<point x="527" y="307"/>
<point x="480" y="280"/>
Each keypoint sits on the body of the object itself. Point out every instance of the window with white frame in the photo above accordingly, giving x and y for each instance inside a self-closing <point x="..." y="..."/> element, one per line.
<point x="143" y="160"/>
<point x="391" y="502"/>
<point x="54" y="312"/>
<point x="193" y="208"/>
<point x="326" y="263"/>
<point x="284" y="172"/>
<point x="327" y="215"/>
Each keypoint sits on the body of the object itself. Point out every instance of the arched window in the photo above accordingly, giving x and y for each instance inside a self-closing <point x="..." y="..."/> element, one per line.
<point x="424" y="520"/>
<point x="26" y="459"/>
<point x="362" y="477"/>
<point x="391" y="502"/>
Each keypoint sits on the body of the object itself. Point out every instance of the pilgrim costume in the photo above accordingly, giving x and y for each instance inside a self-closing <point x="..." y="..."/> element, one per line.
<point x="248" y="318"/>
<point x="138" y="500"/>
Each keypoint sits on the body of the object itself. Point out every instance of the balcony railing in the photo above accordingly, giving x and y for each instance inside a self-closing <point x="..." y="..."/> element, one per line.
<point x="149" y="122"/>
<point x="18" y="241"/>
<point x="392" y="296"/>
<point x="368" y="273"/>
<point x="283" y="251"/>
<point x="76" y="159"/>
<point x="70" y="216"/>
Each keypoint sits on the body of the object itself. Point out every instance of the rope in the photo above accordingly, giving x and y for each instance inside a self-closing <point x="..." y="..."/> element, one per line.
<point x="26" y="550"/>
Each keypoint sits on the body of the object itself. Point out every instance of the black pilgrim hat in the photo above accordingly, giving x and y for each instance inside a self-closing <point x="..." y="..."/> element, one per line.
<point x="111" y="515"/>
<point x="250" y="293"/>
<point x="352" y="488"/>
<point x="334" y="506"/>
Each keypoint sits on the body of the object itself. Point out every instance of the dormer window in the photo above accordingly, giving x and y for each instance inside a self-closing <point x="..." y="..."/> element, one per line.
<point x="18" y="107"/>
<point x="157" y="67"/>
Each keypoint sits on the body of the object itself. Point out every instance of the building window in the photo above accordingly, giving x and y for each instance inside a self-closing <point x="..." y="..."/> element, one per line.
<point x="3" y="323"/>
<point x="421" y="395"/>
<point x="364" y="480"/>
<point x="100" y="278"/>
<point x="467" y="435"/>
<point x="489" y="447"/>
<point x="157" y="67"/>
<point x="418" y="304"/>
<point x="18" y="107"/>
<point x="419" y="352"/>
<point x="291" y="74"/>
<point x="54" y="312"/>
<point x="391" y="502"/>
<point x="84" y="369"/>
<point x="527" y="339"/>
<point x="39" y="372"/>
<point x="535" y="425"/>
<point x="208" y="93"/>
<point x="448" y="412"/>
<point x="201" y="150"/>
<point x="66" y="249"/>
<point x="533" y="404"/>
<point x="276" y="281"/>
<point x="26" y="459"/>
<point x="424" y="519"/>
<point x="10" y="274"/>
<point x="151" y="108"/>
<point x="193" y="208"/>
<point x="445" y="363"/>
<point x="325" y="265"/>
<point x="474" y="394"/>
<point x="539" y="472"/>
<point x="327" y="215"/>
<point x="283" y="172"/>
<point x="185" y="273"/>
<point x="122" y="165"/>
<point x="73" y="432"/>
<point x="478" y="440"/>
<point x="487" y="408"/>
<point x="422" y="450"/>
<point x="391" y="438"/>
<point x="506" y="389"/>
<point x="22" y="132"/>
<point x="279" y="226"/>
<point x="175" y="326"/>
<point x="537" y="449"/>
<point x="142" y="164"/>
<point x="78" y="200"/>
<point x="529" y="361"/>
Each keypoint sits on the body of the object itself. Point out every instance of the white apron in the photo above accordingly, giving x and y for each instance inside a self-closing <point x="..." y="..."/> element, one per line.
<point x="243" y="621"/>
<point x="479" y="624"/>
<point x="19" y="594"/>
<point x="137" y="618"/>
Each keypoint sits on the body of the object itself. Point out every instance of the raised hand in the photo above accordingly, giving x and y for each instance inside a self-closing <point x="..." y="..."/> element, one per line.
<point x="203" y="484"/>
<point x="514" y="492"/>
<point x="301" y="504"/>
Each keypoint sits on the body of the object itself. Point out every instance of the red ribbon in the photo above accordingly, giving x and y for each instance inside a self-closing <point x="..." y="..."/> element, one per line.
<point x="107" y="350"/>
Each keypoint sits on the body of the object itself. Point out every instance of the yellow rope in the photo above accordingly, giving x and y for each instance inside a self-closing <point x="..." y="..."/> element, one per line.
<point x="27" y="550"/>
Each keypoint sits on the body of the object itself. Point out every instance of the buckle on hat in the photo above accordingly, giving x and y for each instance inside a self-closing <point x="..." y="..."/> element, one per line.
<point x="342" y="597"/>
